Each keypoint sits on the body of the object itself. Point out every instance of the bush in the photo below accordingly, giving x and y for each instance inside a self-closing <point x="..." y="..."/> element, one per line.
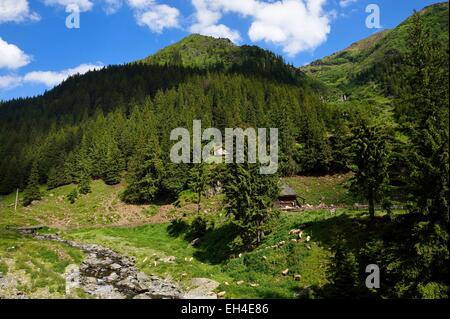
<point x="72" y="196"/>
<point x="186" y="197"/>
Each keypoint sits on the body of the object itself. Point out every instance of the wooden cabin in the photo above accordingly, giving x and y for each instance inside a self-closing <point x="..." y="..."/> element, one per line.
<point x="287" y="199"/>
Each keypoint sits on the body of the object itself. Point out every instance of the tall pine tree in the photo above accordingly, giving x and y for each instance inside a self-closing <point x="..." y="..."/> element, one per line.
<point x="250" y="199"/>
<point x="370" y="165"/>
<point x="32" y="191"/>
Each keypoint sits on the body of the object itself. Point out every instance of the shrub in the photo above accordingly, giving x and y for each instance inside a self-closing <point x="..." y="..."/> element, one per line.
<point x="72" y="196"/>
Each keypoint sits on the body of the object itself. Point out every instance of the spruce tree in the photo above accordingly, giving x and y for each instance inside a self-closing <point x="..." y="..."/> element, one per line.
<point x="370" y="165"/>
<point x="84" y="186"/>
<point x="72" y="196"/>
<point x="250" y="197"/>
<point x="199" y="180"/>
<point x="32" y="191"/>
<point x="426" y="99"/>
<point x="56" y="178"/>
<point x="114" y="165"/>
<point x="145" y="177"/>
<point x="343" y="273"/>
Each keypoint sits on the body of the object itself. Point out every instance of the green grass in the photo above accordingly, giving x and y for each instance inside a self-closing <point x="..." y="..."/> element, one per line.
<point x="38" y="266"/>
<point x="260" y="270"/>
<point x="54" y="209"/>
<point x="261" y="275"/>
<point x="3" y="267"/>
<point x="329" y="190"/>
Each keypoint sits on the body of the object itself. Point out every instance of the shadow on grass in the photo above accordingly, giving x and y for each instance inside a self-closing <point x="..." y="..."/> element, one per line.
<point x="353" y="231"/>
<point x="350" y="234"/>
<point x="214" y="246"/>
<point x="178" y="227"/>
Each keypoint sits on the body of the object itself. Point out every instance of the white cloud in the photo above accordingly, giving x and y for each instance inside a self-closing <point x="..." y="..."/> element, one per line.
<point x="294" y="25"/>
<point x="159" y="17"/>
<point x="16" y="11"/>
<point x="83" y="5"/>
<point x="112" y="6"/>
<point x="156" y="17"/>
<point x="346" y="3"/>
<point x="51" y="78"/>
<point x="207" y="18"/>
<point x="47" y="78"/>
<point x="9" y="81"/>
<point x="11" y="57"/>
<point x="150" y="13"/>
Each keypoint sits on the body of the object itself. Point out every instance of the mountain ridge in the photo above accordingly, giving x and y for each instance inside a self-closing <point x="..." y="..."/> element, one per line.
<point x="370" y="67"/>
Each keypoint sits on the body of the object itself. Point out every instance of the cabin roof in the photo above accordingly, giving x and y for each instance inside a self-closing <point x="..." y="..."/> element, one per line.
<point x="287" y="191"/>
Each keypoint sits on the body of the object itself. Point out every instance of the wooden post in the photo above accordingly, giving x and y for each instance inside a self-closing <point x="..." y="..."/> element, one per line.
<point x="17" y="199"/>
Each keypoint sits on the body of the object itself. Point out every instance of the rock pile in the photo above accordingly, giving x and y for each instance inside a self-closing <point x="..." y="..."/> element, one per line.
<point x="106" y="274"/>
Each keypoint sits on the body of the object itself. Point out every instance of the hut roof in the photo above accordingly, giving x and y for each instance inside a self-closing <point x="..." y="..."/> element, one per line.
<point x="286" y="190"/>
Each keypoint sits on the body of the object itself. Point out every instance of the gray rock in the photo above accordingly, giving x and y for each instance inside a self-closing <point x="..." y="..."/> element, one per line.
<point x="107" y="275"/>
<point x="116" y="266"/>
<point x="196" y="242"/>
<point x="202" y="288"/>
<point x="112" y="278"/>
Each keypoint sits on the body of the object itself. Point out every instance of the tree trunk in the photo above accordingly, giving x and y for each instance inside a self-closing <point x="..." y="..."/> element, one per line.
<point x="371" y="206"/>
<point x="198" y="203"/>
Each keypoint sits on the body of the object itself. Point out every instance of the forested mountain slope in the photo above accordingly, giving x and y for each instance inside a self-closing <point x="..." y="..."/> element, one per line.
<point x="100" y="112"/>
<point x="373" y="66"/>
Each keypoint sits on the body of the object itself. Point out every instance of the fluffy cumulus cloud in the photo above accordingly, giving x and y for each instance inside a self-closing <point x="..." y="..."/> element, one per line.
<point x="112" y="6"/>
<point x="149" y="13"/>
<point x="11" y="57"/>
<point x="346" y="3"/>
<point x="156" y="17"/>
<point x="82" y="5"/>
<point x="9" y="81"/>
<point x="294" y="25"/>
<point x="47" y="78"/>
<point x="16" y="11"/>
<point x="208" y="14"/>
<point x="51" y="78"/>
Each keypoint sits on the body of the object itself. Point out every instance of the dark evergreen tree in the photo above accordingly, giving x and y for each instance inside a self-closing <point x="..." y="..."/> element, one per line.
<point x="370" y="165"/>
<point x="56" y="178"/>
<point x="32" y="191"/>
<point x="84" y="186"/>
<point x="250" y="198"/>
<point x="114" y="165"/>
<point x="343" y="275"/>
<point x="199" y="181"/>
<point x="72" y="196"/>
<point x="145" y="178"/>
<point x="427" y="255"/>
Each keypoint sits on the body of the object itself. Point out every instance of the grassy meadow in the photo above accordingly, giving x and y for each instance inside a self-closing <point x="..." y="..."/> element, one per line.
<point x="147" y="233"/>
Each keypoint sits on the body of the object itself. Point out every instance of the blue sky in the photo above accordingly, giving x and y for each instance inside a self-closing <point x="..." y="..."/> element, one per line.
<point x="38" y="50"/>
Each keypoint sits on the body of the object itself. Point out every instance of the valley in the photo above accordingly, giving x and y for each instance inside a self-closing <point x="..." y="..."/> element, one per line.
<point x="93" y="205"/>
<point x="147" y="234"/>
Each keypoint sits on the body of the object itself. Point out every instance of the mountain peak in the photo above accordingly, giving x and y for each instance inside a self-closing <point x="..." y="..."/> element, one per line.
<point x="205" y="52"/>
<point x="196" y="51"/>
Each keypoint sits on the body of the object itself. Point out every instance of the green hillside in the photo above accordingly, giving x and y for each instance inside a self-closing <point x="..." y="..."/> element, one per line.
<point x="207" y="52"/>
<point x="197" y="50"/>
<point x="372" y="67"/>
